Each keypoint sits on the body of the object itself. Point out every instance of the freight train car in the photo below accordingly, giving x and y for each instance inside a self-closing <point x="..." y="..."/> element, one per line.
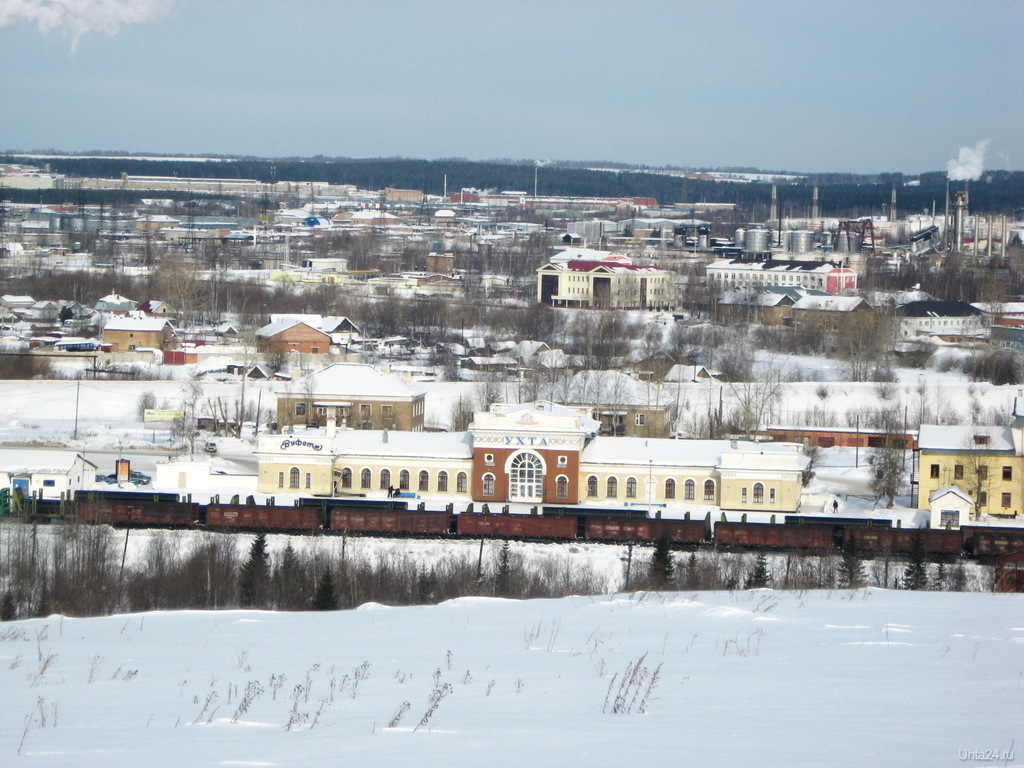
<point x="685" y="532"/>
<point x="156" y="514"/>
<point x="745" y="536"/>
<point x="389" y="521"/>
<point x="984" y="542"/>
<point x="268" y="518"/>
<point x="516" y="526"/>
<point x="900" y="541"/>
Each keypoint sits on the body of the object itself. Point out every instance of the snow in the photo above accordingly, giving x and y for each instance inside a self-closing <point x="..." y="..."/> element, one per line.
<point x="755" y="678"/>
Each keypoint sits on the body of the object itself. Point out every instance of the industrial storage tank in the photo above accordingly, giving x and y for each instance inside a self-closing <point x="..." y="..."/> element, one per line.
<point x="843" y="242"/>
<point x="703" y="238"/>
<point x="738" y="236"/>
<point x="756" y="241"/>
<point x="800" y="241"/>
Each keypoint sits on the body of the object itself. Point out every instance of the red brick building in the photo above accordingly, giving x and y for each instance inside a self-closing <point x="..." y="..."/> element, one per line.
<point x="292" y="336"/>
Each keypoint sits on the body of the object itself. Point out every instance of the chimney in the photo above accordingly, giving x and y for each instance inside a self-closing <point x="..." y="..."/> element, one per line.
<point x="332" y="418"/>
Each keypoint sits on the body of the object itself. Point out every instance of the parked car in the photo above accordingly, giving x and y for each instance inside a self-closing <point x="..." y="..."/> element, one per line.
<point x="138" y="478"/>
<point x="109" y="479"/>
<point x="210" y="447"/>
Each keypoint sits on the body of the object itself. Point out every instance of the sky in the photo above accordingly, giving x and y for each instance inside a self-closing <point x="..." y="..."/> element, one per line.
<point x="800" y="85"/>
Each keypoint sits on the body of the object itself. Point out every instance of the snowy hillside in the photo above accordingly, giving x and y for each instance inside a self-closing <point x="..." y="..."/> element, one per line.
<point x="759" y="678"/>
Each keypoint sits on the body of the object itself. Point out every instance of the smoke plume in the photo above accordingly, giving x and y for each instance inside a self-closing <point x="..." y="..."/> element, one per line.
<point x="74" y="18"/>
<point x="969" y="164"/>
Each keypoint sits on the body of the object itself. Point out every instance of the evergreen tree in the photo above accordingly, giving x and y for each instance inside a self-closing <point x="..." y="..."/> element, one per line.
<point x="759" y="576"/>
<point x="851" y="568"/>
<point x="916" y="574"/>
<point x="503" y="574"/>
<point x="662" y="565"/>
<point x="326" y="597"/>
<point x="691" y="571"/>
<point x="291" y="587"/>
<point x="255" y="576"/>
<point x="939" y="584"/>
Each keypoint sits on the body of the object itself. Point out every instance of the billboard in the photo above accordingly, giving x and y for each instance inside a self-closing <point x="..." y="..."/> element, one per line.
<point x="151" y="415"/>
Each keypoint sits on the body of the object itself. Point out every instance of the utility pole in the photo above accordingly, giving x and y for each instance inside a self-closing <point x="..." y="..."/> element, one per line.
<point x="78" y="389"/>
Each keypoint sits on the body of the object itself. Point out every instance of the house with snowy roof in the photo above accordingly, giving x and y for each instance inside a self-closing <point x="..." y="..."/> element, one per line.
<point x="114" y="303"/>
<point x="290" y="335"/>
<point x="946" y="320"/>
<point x="45" y="474"/>
<point x="126" y="334"/>
<point x="984" y="462"/>
<point x="352" y="396"/>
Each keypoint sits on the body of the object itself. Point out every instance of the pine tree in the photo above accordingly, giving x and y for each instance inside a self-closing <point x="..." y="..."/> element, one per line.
<point x="851" y="567"/>
<point x="255" y="575"/>
<point x="916" y="575"/>
<point x="503" y="574"/>
<point x="662" y="565"/>
<point x="759" y="576"/>
<point x="326" y="597"/>
<point x="291" y="587"/>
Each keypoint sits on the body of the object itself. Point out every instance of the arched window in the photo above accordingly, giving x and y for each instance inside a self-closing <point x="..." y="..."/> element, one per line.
<point x="709" y="490"/>
<point x="526" y="477"/>
<point x="293" y="477"/>
<point x="442" y="482"/>
<point x="403" y="480"/>
<point x="385" y="479"/>
<point x="488" y="484"/>
<point x="461" y="484"/>
<point x="631" y="488"/>
<point x="346" y="478"/>
<point x="562" y="487"/>
<point x="592" y="487"/>
<point x="424" y="484"/>
<point x="365" y="478"/>
<point x="689" y="489"/>
<point x="670" y="488"/>
<point x="613" y="488"/>
<point x="758" y="493"/>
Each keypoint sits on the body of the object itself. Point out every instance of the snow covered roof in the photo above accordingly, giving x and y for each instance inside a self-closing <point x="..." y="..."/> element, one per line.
<point x="774" y="265"/>
<point x="21" y="462"/>
<point x="754" y="298"/>
<point x="830" y="303"/>
<point x="355" y="379"/>
<point x="431" y="445"/>
<point x="949" y="489"/>
<point x="272" y="329"/>
<point x="140" y="324"/>
<point x="612" y="267"/>
<point x="962" y="438"/>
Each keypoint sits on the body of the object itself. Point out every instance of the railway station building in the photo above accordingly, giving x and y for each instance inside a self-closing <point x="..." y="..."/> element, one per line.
<point x="532" y="454"/>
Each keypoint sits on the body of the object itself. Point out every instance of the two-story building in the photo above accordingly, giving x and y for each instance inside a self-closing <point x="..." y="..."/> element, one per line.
<point x="986" y="463"/>
<point x="353" y="396"/>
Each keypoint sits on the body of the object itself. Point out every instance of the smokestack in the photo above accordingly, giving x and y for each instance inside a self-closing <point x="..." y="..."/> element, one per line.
<point x="988" y="236"/>
<point x="773" y="213"/>
<point x="1002" y="245"/>
<point x="815" y="211"/>
<point x="892" y="204"/>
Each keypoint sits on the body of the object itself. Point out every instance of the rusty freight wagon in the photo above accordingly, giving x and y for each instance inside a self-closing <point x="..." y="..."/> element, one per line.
<point x="643" y="529"/>
<point x="269" y="518"/>
<point x="157" y="514"/>
<point x="984" y="542"/>
<point x="900" y="541"/>
<point x="744" y="536"/>
<point x="385" y="521"/>
<point x="516" y="526"/>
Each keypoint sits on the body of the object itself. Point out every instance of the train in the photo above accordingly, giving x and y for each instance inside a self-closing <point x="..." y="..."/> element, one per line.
<point x="359" y="516"/>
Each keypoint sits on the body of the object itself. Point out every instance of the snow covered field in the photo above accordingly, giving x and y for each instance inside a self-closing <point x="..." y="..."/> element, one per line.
<point x="760" y="678"/>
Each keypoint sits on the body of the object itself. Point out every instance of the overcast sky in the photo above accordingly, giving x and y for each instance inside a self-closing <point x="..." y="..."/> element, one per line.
<point x="860" y="86"/>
